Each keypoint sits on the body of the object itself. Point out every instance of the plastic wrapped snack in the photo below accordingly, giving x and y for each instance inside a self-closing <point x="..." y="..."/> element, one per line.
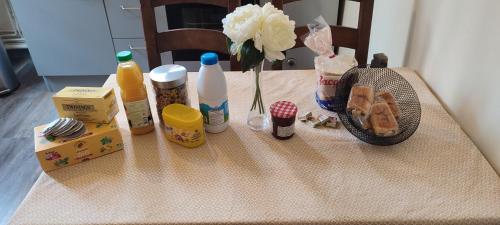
<point x="329" y="67"/>
<point x="359" y="104"/>
<point x="382" y="120"/>
<point x="390" y="100"/>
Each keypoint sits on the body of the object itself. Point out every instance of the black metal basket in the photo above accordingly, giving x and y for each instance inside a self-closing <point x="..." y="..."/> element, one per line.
<point x="380" y="79"/>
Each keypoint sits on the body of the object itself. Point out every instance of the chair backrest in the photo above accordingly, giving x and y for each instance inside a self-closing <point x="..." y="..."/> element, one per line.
<point x="184" y="38"/>
<point x="354" y="38"/>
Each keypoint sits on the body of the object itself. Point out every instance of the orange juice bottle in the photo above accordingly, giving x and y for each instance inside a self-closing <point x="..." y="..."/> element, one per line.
<point x="134" y="95"/>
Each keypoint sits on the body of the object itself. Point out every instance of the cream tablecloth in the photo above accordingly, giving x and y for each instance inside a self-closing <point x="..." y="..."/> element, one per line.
<point x="241" y="176"/>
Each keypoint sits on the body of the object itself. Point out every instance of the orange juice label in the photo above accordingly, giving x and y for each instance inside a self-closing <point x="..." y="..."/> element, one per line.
<point x="138" y="113"/>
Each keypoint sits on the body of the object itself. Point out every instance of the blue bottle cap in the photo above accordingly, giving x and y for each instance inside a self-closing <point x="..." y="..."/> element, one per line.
<point x="209" y="58"/>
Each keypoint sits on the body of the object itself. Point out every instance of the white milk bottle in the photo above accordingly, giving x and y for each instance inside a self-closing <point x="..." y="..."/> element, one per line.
<point x="212" y="94"/>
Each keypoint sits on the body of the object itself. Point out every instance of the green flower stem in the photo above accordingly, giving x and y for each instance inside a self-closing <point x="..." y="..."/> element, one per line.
<point x="257" y="100"/>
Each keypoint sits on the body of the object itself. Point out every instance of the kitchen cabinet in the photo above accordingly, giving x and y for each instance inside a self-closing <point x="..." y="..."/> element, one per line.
<point x="125" y="23"/>
<point x="124" y="18"/>
<point x="70" y="40"/>
<point x="138" y="49"/>
<point x="67" y="37"/>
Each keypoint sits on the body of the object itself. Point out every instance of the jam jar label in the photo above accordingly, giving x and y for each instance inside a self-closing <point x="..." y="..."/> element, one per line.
<point x="285" y="131"/>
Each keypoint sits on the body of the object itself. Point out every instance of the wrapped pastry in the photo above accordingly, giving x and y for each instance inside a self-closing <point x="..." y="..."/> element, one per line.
<point x="359" y="104"/>
<point x="360" y="101"/>
<point x="382" y="120"/>
<point x="390" y="100"/>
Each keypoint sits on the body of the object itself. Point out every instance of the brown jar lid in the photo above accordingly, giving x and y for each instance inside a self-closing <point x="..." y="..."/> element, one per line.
<point x="283" y="109"/>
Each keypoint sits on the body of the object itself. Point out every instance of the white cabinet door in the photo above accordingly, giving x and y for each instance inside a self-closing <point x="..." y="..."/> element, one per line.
<point x="139" y="53"/>
<point x="125" y="21"/>
<point x="124" y="18"/>
<point x="67" y="37"/>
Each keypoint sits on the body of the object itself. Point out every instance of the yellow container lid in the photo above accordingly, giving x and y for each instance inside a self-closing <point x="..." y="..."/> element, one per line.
<point x="179" y="114"/>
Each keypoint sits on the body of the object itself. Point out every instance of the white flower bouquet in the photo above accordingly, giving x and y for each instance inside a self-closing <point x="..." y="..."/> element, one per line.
<point x="255" y="33"/>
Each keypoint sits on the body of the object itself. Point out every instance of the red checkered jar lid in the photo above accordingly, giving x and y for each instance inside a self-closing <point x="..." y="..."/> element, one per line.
<point x="283" y="109"/>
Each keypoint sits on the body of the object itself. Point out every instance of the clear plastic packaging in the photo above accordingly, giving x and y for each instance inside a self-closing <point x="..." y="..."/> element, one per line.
<point x="359" y="104"/>
<point x="382" y="120"/>
<point x="329" y="67"/>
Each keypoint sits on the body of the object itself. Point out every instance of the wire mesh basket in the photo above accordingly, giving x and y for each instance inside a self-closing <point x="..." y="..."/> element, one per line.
<point x="380" y="79"/>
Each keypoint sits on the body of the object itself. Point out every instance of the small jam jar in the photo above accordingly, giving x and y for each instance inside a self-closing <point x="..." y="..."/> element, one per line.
<point x="283" y="115"/>
<point x="169" y="83"/>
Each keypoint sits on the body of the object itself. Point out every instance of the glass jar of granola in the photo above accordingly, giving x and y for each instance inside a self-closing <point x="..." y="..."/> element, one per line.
<point x="170" y="86"/>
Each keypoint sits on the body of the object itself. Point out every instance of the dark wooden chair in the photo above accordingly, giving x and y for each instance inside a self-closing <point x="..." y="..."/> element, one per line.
<point x="354" y="38"/>
<point x="185" y="38"/>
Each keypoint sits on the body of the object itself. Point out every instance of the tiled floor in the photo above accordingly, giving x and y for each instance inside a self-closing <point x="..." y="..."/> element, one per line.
<point x="27" y="107"/>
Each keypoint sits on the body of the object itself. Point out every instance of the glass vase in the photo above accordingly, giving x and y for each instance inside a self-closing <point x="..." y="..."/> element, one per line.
<point x="257" y="116"/>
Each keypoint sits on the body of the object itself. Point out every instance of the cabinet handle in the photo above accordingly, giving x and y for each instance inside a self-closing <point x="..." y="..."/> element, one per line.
<point x="135" y="48"/>
<point x="129" y="8"/>
<point x="291" y="61"/>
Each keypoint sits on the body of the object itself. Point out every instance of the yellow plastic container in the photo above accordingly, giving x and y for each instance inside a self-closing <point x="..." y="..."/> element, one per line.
<point x="183" y="125"/>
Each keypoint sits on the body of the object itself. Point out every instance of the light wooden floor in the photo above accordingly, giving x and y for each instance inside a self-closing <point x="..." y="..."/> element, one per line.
<point x="29" y="106"/>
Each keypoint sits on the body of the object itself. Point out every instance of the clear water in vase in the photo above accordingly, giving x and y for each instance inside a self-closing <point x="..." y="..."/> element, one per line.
<point x="257" y="116"/>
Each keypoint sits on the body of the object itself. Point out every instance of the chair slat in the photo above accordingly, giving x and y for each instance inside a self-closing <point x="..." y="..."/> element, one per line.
<point x="192" y="39"/>
<point x="364" y="29"/>
<point x="185" y="38"/>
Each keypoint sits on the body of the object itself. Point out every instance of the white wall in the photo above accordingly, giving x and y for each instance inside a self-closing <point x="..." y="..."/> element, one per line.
<point x="390" y="28"/>
<point x="454" y="45"/>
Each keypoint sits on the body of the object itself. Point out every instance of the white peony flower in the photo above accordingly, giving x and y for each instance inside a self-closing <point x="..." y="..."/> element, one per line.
<point x="270" y="29"/>
<point x="243" y="23"/>
<point x="235" y="49"/>
<point x="269" y="9"/>
<point x="277" y="35"/>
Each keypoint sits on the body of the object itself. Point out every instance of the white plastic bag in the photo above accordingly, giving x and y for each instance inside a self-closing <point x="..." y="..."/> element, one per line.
<point x="329" y="67"/>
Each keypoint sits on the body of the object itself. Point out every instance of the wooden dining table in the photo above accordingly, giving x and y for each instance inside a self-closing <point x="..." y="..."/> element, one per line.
<point x="241" y="176"/>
